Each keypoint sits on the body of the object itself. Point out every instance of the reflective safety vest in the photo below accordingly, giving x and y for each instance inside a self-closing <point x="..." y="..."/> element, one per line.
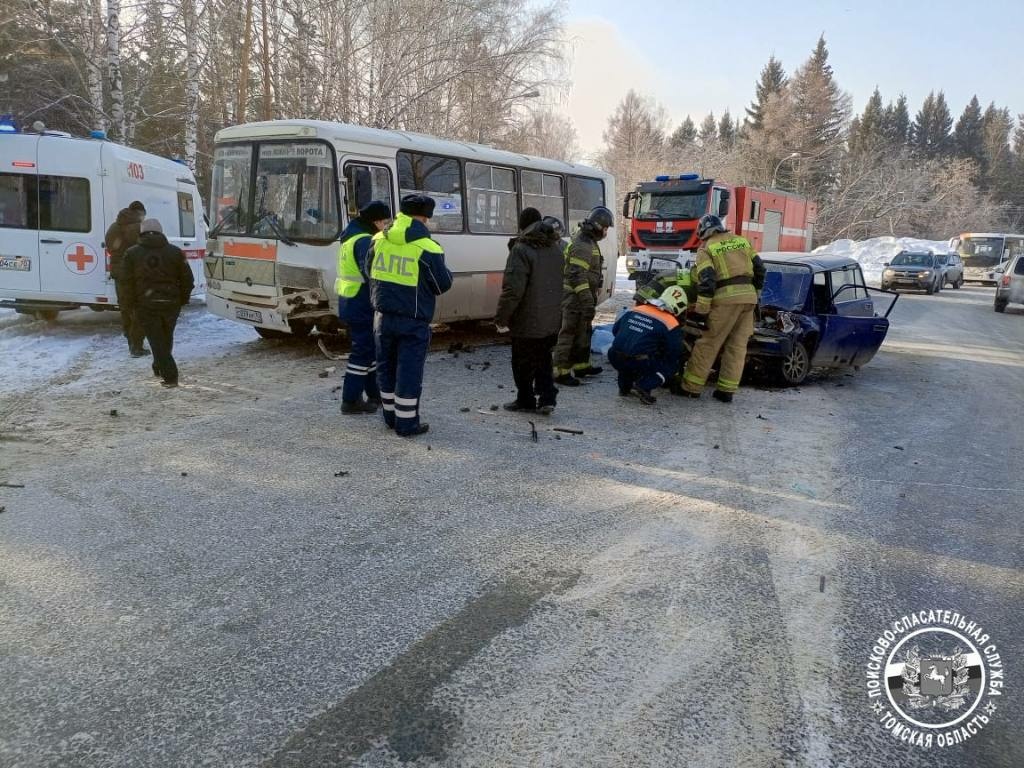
<point x="350" y="279"/>
<point x="732" y="259"/>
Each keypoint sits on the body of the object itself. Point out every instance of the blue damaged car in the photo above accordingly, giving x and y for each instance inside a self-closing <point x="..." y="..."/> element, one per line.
<point x="815" y="312"/>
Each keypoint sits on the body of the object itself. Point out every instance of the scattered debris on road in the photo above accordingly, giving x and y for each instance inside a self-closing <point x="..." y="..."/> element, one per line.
<point x="567" y="430"/>
<point x="341" y="473"/>
<point x="113" y="412"/>
<point x="533" y="431"/>
<point x="6" y="484"/>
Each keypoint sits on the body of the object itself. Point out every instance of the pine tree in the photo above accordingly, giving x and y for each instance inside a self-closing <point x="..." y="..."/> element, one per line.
<point x="996" y="126"/>
<point x="896" y="123"/>
<point x="708" y="133"/>
<point x="929" y="134"/>
<point x="726" y="130"/>
<point x="685" y="135"/>
<point x="868" y="135"/>
<point x="821" y="111"/>
<point x="772" y="82"/>
<point x="968" y="139"/>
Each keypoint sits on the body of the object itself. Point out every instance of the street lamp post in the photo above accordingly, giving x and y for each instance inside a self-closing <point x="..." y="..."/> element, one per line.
<point x="790" y="156"/>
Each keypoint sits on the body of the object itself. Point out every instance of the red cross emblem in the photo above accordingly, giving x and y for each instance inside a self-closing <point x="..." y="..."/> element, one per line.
<point x="80" y="259"/>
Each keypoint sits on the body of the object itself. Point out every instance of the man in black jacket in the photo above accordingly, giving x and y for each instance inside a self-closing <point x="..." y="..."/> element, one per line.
<point x="530" y="307"/>
<point x="157" y="277"/>
<point x="122" y="235"/>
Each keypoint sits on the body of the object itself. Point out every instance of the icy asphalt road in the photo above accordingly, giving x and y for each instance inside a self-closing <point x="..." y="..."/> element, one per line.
<point x="231" y="574"/>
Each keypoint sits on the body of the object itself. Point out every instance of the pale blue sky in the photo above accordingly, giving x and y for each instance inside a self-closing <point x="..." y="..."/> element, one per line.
<point x="694" y="57"/>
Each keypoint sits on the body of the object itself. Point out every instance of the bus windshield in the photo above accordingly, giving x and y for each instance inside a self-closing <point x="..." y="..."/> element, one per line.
<point x="672" y="205"/>
<point x="291" y="193"/>
<point x="981" y="251"/>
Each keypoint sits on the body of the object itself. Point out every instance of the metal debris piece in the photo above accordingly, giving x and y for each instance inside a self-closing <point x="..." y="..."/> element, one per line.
<point x="533" y="431"/>
<point x="569" y="430"/>
<point x="341" y="473"/>
<point x="6" y="484"/>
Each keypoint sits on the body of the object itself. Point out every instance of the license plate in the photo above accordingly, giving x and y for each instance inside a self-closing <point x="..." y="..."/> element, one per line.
<point x="252" y="315"/>
<point x="16" y="263"/>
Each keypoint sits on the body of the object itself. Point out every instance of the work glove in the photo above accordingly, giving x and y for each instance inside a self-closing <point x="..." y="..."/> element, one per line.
<point x="502" y="328"/>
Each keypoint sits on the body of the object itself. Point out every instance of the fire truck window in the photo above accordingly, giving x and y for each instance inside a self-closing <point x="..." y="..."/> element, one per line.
<point x="755" y="210"/>
<point x="584" y="195"/>
<point x="492" y="199"/>
<point x="17" y="201"/>
<point x="64" y="204"/>
<point x="438" y="177"/>
<point x="186" y="215"/>
<point x="543" y="191"/>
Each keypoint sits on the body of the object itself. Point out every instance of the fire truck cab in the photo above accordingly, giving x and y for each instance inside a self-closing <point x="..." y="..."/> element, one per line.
<point x="663" y="218"/>
<point x="58" y="196"/>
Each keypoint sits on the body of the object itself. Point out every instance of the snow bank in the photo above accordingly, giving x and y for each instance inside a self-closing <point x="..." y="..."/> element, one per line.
<point x="872" y="254"/>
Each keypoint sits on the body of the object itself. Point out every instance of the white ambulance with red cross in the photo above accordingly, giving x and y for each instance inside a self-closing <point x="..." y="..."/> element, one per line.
<point x="58" y="196"/>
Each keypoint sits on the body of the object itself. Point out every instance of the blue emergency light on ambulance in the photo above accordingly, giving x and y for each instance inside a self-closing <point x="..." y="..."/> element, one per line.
<point x="7" y="124"/>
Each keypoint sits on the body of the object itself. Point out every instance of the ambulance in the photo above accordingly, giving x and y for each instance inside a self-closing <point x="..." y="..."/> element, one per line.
<point x="58" y="196"/>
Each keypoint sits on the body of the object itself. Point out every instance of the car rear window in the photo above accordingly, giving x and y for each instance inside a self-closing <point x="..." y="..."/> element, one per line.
<point x="1019" y="269"/>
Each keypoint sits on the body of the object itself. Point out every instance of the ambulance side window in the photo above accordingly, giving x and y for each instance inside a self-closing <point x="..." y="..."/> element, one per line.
<point x="18" y="201"/>
<point x="186" y="215"/>
<point x="64" y="204"/>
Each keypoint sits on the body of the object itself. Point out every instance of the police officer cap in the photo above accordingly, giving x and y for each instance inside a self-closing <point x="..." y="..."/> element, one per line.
<point x="417" y="205"/>
<point x="375" y="210"/>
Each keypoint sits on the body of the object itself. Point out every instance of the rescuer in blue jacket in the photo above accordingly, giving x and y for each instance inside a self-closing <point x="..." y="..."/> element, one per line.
<point x="407" y="274"/>
<point x="355" y="310"/>
<point x="648" y="344"/>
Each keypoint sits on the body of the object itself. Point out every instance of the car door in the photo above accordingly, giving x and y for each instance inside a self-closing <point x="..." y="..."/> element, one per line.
<point x="851" y="331"/>
<point x="19" y="220"/>
<point x="70" y="220"/>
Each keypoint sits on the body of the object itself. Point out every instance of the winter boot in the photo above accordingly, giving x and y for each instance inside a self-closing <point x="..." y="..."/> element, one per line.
<point x="359" y="407"/>
<point x="722" y="397"/>
<point x="645" y="397"/>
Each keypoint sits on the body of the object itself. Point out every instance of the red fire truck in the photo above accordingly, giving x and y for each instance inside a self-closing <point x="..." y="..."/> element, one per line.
<point x="663" y="219"/>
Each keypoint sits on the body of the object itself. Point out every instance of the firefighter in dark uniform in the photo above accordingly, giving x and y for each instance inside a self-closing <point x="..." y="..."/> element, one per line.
<point x="582" y="279"/>
<point x="355" y="311"/>
<point x="729" y="275"/>
<point x="407" y="274"/>
<point x="648" y="344"/>
<point x="157" y="277"/>
<point x="122" y="235"/>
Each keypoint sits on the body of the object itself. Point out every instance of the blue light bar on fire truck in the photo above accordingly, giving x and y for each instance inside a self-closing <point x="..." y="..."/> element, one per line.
<point x="7" y="124"/>
<point x="681" y="177"/>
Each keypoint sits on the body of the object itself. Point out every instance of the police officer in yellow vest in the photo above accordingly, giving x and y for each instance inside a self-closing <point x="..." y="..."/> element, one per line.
<point x="729" y="274"/>
<point x="407" y="274"/>
<point x="355" y="311"/>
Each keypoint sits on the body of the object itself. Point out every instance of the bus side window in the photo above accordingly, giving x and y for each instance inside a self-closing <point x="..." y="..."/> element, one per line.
<point x="365" y="183"/>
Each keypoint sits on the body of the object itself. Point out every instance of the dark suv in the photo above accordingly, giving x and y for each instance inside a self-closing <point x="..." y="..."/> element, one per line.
<point x="918" y="271"/>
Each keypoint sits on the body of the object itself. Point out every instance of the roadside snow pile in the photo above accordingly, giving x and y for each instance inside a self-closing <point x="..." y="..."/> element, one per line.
<point x="872" y="254"/>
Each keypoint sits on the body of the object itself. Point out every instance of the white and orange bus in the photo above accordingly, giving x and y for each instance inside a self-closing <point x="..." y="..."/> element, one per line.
<point x="283" y="190"/>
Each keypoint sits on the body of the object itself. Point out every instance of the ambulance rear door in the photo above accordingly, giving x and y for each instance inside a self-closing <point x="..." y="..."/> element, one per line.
<point x="19" y="236"/>
<point x="191" y="230"/>
<point x="71" y="221"/>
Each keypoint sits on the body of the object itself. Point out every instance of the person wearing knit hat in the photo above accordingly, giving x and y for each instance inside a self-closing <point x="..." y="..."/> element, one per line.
<point x="407" y="274"/>
<point x="355" y="311"/>
<point x="157" y="276"/>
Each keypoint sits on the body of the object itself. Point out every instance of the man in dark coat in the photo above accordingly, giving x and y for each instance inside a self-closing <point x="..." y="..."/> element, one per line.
<point x="122" y="235"/>
<point x="157" y="277"/>
<point x="530" y="307"/>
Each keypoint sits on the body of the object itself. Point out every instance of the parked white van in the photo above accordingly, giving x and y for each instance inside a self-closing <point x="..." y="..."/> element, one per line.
<point x="58" y="195"/>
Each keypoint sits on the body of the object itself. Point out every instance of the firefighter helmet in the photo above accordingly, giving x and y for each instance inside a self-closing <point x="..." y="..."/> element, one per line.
<point x="601" y="217"/>
<point x="709" y="225"/>
<point x="674" y="300"/>
<point x="556" y="224"/>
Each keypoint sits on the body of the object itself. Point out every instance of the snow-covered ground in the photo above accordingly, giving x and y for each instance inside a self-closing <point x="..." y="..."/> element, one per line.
<point x="873" y="254"/>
